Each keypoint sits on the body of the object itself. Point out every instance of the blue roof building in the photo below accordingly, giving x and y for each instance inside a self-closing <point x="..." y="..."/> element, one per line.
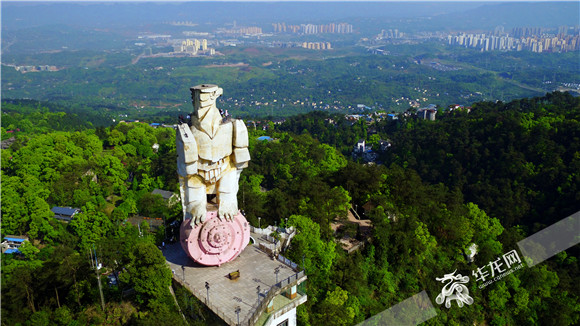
<point x="65" y="213"/>
<point x="11" y="243"/>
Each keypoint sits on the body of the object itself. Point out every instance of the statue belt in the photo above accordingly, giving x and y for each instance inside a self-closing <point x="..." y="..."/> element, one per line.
<point x="211" y="171"/>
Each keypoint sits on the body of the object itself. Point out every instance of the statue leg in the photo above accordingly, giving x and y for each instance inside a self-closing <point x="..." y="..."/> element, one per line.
<point x="227" y="194"/>
<point x="195" y="199"/>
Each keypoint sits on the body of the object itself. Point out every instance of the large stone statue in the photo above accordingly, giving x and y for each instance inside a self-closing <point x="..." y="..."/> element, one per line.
<point x="211" y="152"/>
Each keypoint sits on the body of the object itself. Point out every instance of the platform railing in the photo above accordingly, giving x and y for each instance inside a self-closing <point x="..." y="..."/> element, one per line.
<point x="275" y="290"/>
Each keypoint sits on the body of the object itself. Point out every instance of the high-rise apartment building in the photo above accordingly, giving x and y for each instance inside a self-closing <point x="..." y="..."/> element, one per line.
<point x="332" y="28"/>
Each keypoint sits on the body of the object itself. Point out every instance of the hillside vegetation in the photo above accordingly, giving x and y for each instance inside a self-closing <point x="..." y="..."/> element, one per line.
<point x="492" y="177"/>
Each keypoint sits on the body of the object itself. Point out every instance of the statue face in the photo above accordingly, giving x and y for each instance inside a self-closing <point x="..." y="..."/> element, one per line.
<point x="205" y="96"/>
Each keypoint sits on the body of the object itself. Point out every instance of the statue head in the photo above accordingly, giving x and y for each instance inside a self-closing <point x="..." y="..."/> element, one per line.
<point x="204" y="97"/>
<point x="206" y="115"/>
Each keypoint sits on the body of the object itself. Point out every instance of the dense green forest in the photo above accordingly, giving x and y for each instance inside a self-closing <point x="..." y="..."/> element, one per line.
<point x="518" y="160"/>
<point x="491" y="176"/>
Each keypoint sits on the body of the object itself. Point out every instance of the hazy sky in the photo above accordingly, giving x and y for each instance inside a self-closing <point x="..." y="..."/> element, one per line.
<point x="275" y="0"/>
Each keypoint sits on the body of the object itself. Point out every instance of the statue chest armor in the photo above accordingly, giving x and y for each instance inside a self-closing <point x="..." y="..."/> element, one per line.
<point x="213" y="152"/>
<point x="216" y="148"/>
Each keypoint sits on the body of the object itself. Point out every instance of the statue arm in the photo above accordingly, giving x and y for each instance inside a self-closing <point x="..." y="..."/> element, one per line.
<point x="241" y="152"/>
<point x="186" y="147"/>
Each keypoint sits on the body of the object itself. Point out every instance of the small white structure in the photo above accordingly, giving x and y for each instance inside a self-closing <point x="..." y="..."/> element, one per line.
<point x="360" y="146"/>
<point x="471" y="252"/>
<point x="427" y="113"/>
<point x="263" y="239"/>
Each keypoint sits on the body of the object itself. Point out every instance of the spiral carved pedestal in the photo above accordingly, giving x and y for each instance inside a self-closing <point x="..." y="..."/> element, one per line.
<point x="215" y="242"/>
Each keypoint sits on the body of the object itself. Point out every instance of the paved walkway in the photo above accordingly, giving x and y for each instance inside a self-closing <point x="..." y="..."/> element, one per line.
<point x="225" y="295"/>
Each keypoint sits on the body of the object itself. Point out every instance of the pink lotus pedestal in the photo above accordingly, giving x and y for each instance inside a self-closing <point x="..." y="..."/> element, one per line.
<point x="215" y="242"/>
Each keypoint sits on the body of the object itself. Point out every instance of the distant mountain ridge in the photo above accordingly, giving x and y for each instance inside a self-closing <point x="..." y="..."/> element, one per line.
<point x="16" y="15"/>
<point x="516" y="14"/>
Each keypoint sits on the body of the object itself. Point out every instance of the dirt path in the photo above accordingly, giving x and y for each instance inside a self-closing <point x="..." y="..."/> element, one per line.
<point x="239" y="64"/>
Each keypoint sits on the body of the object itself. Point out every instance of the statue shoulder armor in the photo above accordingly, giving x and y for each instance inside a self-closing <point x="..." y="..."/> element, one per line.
<point x="240" y="133"/>
<point x="241" y="152"/>
<point x="186" y="148"/>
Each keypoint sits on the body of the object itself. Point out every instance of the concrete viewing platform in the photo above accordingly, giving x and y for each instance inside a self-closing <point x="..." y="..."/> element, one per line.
<point x="237" y="297"/>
